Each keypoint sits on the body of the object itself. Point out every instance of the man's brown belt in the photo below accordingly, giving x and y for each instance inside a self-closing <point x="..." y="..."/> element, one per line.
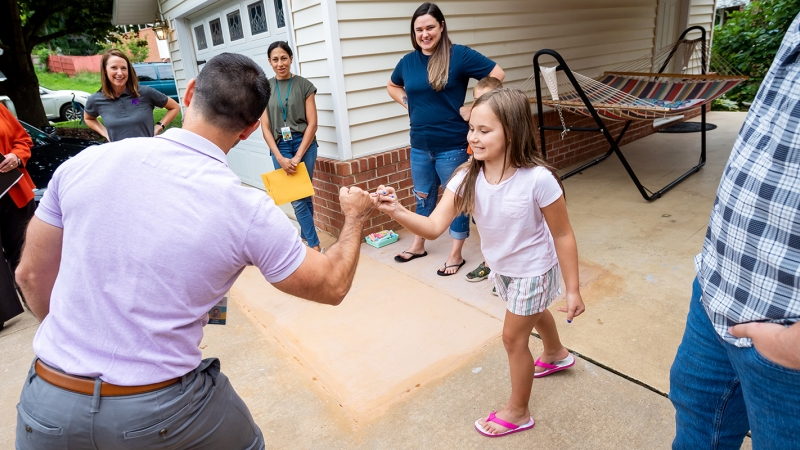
<point x="83" y="385"/>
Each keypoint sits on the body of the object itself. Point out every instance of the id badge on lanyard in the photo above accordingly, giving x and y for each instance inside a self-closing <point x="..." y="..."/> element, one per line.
<point x="286" y="132"/>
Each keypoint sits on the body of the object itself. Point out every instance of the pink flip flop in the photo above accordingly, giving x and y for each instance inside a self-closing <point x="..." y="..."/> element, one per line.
<point x="565" y="363"/>
<point x="512" y="428"/>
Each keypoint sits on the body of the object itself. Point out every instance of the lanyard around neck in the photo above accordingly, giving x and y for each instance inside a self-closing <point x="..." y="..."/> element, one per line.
<point x="284" y="108"/>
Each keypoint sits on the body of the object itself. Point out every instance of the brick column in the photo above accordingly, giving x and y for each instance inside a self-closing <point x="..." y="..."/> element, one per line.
<point x="391" y="168"/>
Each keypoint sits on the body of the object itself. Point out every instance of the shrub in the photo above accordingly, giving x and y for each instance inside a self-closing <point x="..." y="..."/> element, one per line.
<point x="129" y="43"/>
<point x="724" y="104"/>
<point x="750" y="39"/>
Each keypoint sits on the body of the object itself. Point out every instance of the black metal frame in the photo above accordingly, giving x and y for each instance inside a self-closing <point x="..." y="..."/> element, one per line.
<point x="614" y="143"/>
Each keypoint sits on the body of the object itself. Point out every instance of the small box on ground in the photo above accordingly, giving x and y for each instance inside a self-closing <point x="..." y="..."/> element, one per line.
<point x="382" y="238"/>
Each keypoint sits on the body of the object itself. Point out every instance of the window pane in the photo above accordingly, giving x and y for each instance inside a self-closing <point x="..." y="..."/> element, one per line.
<point x="258" y="19"/>
<point x="165" y="72"/>
<point x="200" y="35"/>
<point x="279" y="13"/>
<point x="216" y="32"/>
<point x="235" y="25"/>
<point x="146" y="73"/>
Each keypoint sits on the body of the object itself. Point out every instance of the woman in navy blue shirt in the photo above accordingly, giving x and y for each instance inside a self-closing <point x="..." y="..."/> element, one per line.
<point x="431" y="82"/>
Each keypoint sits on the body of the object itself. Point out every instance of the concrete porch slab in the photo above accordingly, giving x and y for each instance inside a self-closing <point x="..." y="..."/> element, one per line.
<point x="477" y="294"/>
<point x="390" y="335"/>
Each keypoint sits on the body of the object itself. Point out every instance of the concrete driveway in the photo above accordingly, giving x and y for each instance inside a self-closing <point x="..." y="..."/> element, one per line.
<point x="411" y="359"/>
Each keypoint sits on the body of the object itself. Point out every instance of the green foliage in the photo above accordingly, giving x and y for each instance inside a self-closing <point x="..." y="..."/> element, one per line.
<point x="76" y="45"/>
<point x="46" y="20"/>
<point x="750" y="39"/>
<point x="24" y="24"/>
<point x="83" y="81"/>
<point x="158" y="114"/>
<point x="129" y="43"/>
<point x="42" y="52"/>
<point x="724" y="104"/>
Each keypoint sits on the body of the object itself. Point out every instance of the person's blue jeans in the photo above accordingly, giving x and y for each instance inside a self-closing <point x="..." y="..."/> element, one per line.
<point x="303" y="208"/>
<point x="721" y="391"/>
<point x="429" y="170"/>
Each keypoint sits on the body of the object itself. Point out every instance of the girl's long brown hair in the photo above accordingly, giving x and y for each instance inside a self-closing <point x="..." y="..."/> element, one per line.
<point x="133" y="82"/>
<point x="513" y="111"/>
<point x="439" y="62"/>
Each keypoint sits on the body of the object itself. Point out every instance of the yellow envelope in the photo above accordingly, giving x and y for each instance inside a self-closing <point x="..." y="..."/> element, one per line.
<point x="285" y="188"/>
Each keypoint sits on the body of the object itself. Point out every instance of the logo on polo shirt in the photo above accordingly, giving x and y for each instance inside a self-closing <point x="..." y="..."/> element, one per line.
<point x="135" y="101"/>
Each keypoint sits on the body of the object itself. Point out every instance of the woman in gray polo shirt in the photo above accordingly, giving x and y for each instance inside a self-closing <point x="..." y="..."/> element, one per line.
<point x="126" y="107"/>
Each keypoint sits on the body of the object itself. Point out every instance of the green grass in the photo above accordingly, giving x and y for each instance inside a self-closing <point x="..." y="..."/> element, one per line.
<point x="158" y="114"/>
<point x="83" y="81"/>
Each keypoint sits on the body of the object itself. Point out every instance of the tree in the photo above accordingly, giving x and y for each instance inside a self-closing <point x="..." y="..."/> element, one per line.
<point x="135" y="47"/>
<point x="750" y="39"/>
<point x="27" y="23"/>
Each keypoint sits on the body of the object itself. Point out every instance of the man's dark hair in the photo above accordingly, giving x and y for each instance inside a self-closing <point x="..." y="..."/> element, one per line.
<point x="231" y="91"/>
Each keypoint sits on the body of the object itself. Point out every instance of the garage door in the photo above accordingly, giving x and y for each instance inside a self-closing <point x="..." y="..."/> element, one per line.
<point x="246" y="27"/>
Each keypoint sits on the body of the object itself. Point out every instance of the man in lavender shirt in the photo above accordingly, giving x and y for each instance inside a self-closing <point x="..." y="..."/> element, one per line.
<point x="133" y="243"/>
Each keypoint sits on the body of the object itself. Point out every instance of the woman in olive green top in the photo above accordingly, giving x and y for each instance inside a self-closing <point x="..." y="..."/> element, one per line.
<point x="289" y="124"/>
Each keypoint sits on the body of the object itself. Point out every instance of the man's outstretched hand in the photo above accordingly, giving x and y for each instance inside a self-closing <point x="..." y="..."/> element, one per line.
<point x="355" y="202"/>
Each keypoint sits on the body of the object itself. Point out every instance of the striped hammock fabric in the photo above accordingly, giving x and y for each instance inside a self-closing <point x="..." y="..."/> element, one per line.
<point x="642" y="96"/>
<point x="636" y="91"/>
<point x="676" y="94"/>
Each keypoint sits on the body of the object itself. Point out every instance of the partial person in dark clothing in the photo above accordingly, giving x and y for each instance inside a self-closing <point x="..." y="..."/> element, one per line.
<point x="126" y="107"/>
<point x="16" y="208"/>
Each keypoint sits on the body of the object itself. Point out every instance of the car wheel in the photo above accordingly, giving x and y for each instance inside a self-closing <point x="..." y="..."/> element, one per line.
<point x="69" y="113"/>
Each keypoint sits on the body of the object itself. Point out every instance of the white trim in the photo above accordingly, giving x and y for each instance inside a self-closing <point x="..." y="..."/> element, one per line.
<point x="183" y="30"/>
<point x="686" y="9"/>
<point x="288" y="17"/>
<point x="190" y="7"/>
<point x="330" y="24"/>
<point x="711" y="34"/>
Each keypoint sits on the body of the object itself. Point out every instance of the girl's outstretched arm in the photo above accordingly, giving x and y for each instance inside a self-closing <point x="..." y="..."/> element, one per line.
<point x="425" y="227"/>
<point x="567" y="250"/>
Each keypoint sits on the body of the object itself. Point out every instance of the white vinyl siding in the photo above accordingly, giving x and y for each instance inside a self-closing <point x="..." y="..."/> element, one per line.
<point x="701" y="12"/>
<point x="592" y="36"/>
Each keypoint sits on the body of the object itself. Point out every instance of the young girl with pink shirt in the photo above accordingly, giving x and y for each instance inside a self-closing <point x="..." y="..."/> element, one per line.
<point x="518" y="204"/>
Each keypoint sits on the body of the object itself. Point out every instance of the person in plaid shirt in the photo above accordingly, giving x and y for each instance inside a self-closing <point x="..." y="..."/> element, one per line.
<point x="738" y="366"/>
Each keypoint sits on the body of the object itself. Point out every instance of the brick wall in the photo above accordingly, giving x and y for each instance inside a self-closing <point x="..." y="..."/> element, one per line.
<point x="579" y="146"/>
<point x="393" y="168"/>
<point x="388" y="168"/>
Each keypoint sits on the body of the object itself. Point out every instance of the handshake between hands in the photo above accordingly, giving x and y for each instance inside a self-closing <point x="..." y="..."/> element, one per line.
<point x="357" y="203"/>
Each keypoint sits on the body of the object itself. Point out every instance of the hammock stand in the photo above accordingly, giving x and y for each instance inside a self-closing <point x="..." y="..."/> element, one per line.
<point x="589" y="109"/>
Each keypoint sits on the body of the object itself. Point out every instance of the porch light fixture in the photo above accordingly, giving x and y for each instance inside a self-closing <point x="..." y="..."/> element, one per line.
<point x="161" y="28"/>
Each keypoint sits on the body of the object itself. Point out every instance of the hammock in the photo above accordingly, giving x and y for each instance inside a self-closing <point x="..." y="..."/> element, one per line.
<point x="635" y="92"/>
<point x="639" y="90"/>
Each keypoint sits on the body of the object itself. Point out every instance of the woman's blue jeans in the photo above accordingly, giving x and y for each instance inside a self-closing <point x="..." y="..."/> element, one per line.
<point x="429" y="170"/>
<point x="303" y="208"/>
<point x="721" y="391"/>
